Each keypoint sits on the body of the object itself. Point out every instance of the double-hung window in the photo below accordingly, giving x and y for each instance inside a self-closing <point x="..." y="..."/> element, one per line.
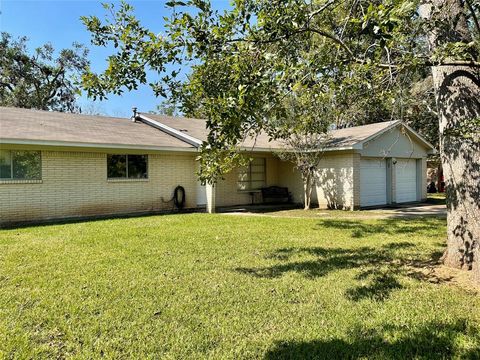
<point x="20" y="165"/>
<point x="252" y="176"/>
<point x="127" y="166"/>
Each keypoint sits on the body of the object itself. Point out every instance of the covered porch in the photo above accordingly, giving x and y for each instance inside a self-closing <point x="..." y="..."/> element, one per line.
<point x="242" y="186"/>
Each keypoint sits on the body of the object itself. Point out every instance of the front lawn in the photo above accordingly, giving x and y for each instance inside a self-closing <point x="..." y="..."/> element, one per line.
<point x="215" y="286"/>
<point x="436" y="198"/>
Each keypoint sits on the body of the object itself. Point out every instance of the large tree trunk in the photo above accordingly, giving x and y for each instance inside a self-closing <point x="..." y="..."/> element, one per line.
<point x="457" y="90"/>
<point x="458" y="96"/>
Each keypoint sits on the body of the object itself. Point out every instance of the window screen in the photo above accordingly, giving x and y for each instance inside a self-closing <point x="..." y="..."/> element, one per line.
<point x="127" y="167"/>
<point x="20" y="165"/>
<point x="252" y="176"/>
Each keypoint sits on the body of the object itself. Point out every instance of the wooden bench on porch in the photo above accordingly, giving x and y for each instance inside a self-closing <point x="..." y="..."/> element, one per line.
<point x="276" y="194"/>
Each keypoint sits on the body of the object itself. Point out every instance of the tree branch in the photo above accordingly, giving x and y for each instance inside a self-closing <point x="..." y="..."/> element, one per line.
<point x="319" y="10"/>
<point x="7" y="85"/>
<point x="474" y="16"/>
<point x="470" y="63"/>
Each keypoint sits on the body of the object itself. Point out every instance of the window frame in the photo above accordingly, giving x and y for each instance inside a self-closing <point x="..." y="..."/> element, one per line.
<point x="23" y="179"/>
<point x="250" y="172"/>
<point x="126" y="178"/>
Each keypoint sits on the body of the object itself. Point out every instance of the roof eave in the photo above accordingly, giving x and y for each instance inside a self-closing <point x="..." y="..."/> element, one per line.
<point x="422" y="140"/>
<point x="260" y="149"/>
<point x="377" y="134"/>
<point x="430" y="148"/>
<point x="95" y="145"/>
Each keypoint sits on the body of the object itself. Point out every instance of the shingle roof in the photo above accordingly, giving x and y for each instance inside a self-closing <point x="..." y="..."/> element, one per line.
<point x="341" y="138"/>
<point x="353" y="135"/>
<point x="24" y="125"/>
<point x="198" y="129"/>
<point x="49" y="126"/>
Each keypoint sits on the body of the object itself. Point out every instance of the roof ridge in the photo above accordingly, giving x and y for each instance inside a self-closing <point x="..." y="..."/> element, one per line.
<point x="365" y="125"/>
<point x="62" y="113"/>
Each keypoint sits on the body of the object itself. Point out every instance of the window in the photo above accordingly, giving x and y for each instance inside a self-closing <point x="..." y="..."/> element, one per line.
<point x="20" y="165"/>
<point x="127" y="167"/>
<point x="252" y="176"/>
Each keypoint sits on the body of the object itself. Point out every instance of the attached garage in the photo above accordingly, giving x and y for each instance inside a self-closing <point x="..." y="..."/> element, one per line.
<point x="393" y="167"/>
<point x="373" y="182"/>
<point x="390" y="180"/>
<point x="372" y="165"/>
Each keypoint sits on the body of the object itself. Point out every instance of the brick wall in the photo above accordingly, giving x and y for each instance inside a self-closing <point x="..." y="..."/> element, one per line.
<point x="289" y="177"/>
<point x="75" y="184"/>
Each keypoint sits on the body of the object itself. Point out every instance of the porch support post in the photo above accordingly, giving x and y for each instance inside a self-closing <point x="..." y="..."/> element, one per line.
<point x="210" y="190"/>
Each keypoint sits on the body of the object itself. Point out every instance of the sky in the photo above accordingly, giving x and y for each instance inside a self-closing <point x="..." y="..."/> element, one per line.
<point x="58" y="22"/>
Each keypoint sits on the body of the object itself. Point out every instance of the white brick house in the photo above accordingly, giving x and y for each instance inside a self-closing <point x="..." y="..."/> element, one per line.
<point x="57" y="165"/>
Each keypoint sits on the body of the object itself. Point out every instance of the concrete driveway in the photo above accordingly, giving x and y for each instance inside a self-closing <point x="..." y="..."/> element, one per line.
<point x="411" y="210"/>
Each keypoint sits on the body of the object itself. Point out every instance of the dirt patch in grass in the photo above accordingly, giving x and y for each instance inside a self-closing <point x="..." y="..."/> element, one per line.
<point x="456" y="277"/>
<point x="437" y="273"/>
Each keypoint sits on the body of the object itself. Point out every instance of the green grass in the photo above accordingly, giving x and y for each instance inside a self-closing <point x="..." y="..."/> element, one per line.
<point x="232" y="287"/>
<point x="436" y="198"/>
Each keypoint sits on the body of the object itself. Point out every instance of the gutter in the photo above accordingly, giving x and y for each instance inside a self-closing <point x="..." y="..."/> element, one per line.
<point x="258" y="149"/>
<point x="93" y="145"/>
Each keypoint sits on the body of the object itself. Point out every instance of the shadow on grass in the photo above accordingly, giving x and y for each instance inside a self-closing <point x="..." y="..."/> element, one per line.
<point x="434" y="340"/>
<point x="385" y="226"/>
<point x="381" y="268"/>
<point x="91" y="218"/>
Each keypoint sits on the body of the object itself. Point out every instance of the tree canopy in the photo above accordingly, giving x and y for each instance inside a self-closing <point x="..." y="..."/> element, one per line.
<point x="245" y="60"/>
<point x="373" y="57"/>
<point x="40" y="80"/>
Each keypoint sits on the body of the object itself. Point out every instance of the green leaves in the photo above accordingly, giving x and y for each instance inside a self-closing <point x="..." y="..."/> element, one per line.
<point x="175" y="3"/>
<point x="250" y="67"/>
<point x="44" y="80"/>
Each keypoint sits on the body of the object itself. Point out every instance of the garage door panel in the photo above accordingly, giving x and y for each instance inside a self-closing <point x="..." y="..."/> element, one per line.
<point x="373" y="182"/>
<point x="405" y="180"/>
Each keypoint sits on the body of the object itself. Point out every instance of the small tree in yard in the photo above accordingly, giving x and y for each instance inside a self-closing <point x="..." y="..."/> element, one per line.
<point x="303" y="129"/>
<point x="305" y="151"/>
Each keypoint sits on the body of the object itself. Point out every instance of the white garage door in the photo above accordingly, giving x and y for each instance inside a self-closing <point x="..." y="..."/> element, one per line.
<point x="406" y="180"/>
<point x="373" y="182"/>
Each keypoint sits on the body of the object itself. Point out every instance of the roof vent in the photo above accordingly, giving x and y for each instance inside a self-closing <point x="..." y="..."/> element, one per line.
<point x="134" y="116"/>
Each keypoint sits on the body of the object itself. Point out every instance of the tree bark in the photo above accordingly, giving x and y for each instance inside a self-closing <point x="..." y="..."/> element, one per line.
<point x="458" y="97"/>
<point x="307" y="187"/>
<point x="457" y="90"/>
<point x="439" y="176"/>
